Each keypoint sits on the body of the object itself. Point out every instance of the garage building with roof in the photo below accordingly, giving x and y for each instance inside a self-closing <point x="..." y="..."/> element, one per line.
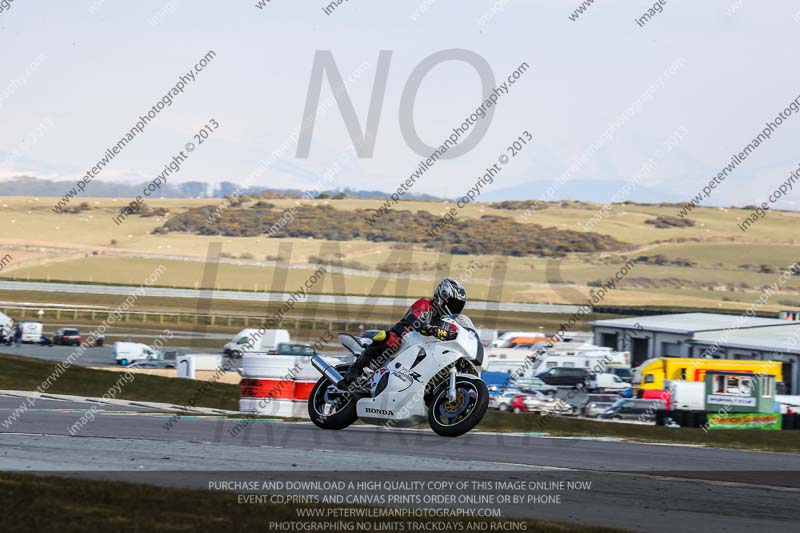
<point x="714" y="335"/>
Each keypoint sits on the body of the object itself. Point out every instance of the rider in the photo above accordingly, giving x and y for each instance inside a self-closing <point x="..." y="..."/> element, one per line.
<point x="449" y="298"/>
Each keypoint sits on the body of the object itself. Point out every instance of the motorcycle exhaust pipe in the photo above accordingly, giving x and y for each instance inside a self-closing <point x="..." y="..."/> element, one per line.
<point x="327" y="370"/>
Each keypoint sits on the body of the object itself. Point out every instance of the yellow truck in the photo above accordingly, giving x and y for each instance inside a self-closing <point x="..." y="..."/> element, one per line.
<point x="651" y="374"/>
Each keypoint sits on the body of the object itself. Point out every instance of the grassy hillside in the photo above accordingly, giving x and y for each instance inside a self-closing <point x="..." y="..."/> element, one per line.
<point x="711" y="264"/>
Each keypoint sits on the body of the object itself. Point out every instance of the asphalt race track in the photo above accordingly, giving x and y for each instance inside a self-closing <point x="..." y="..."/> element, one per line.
<point x="97" y="356"/>
<point x="633" y="486"/>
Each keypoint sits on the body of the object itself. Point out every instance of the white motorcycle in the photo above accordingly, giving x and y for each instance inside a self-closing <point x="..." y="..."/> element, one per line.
<point x="427" y="378"/>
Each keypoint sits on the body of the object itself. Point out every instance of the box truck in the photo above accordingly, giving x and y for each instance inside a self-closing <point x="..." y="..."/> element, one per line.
<point x="652" y="373"/>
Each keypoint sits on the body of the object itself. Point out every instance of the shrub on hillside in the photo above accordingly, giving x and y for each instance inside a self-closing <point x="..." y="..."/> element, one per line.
<point x="487" y="235"/>
<point x="668" y="222"/>
<point x="662" y="260"/>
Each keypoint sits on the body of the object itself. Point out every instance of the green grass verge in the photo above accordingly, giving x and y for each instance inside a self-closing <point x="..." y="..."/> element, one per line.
<point x="65" y="505"/>
<point x="776" y="441"/>
<point x="21" y="373"/>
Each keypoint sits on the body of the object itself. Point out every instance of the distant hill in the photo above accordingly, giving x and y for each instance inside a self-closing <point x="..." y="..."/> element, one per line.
<point x="33" y="186"/>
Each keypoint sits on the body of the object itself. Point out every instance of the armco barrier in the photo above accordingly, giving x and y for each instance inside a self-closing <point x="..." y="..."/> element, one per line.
<point x="276" y="385"/>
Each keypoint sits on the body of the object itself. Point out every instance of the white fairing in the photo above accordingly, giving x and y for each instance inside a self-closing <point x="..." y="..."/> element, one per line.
<point x="420" y="358"/>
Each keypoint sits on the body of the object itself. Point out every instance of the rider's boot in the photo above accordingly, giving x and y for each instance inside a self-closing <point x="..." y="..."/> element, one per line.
<point x="356" y="370"/>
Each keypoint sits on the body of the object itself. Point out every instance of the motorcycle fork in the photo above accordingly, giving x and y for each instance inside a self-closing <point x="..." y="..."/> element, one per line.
<point x="451" y="391"/>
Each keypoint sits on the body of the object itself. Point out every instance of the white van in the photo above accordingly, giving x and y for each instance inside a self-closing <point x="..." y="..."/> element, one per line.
<point x="689" y="395"/>
<point x="607" y="382"/>
<point x="250" y="341"/>
<point x="127" y="352"/>
<point x="31" y="331"/>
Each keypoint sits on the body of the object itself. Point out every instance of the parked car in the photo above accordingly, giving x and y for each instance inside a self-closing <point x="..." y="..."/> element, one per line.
<point x="99" y="340"/>
<point x="565" y="377"/>
<point x="293" y="348"/>
<point x="528" y="402"/>
<point x="502" y="401"/>
<point x="67" y="337"/>
<point x="633" y="409"/>
<point x="152" y="364"/>
<point x="534" y="384"/>
<point x="596" y="404"/>
<point x="536" y="402"/>
<point x="558" y="407"/>
<point x="624" y="373"/>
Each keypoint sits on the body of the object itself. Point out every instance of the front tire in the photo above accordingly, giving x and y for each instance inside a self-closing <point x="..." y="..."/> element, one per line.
<point x="453" y="420"/>
<point x="325" y="418"/>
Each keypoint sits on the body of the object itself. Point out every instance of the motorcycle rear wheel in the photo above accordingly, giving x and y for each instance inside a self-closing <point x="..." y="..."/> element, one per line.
<point x="324" y="418"/>
<point x="457" y="418"/>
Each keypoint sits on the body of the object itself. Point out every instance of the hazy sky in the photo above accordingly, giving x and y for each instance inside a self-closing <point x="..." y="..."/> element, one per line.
<point x="74" y="76"/>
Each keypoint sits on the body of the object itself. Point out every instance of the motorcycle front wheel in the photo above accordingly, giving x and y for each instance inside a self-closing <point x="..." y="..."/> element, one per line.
<point x="453" y="419"/>
<point x="331" y="411"/>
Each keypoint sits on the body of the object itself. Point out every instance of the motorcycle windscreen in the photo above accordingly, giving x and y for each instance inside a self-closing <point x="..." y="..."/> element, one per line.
<point x="464" y="321"/>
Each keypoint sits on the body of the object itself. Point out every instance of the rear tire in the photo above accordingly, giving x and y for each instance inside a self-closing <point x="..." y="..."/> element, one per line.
<point x="123" y="362"/>
<point x="517" y="410"/>
<point x="339" y="419"/>
<point x="502" y="407"/>
<point x="450" y="421"/>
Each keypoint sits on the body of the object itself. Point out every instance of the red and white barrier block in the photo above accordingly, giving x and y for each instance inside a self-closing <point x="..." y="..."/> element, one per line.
<point x="276" y="385"/>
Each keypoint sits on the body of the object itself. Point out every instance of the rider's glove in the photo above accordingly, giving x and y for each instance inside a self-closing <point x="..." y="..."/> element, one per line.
<point x="440" y="333"/>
